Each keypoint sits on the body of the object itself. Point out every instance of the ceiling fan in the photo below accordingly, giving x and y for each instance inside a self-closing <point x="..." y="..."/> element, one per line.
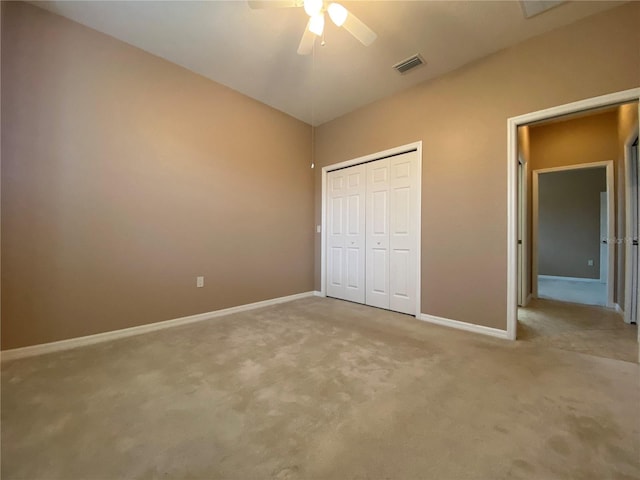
<point x="315" y="26"/>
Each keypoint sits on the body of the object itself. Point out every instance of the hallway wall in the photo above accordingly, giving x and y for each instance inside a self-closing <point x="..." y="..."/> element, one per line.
<point x="569" y="222"/>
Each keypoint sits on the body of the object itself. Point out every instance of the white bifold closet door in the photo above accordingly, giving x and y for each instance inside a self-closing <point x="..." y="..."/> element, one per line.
<point x="387" y="213"/>
<point x="346" y="233"/>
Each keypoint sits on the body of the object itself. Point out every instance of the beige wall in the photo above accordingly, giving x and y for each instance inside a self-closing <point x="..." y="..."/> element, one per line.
<point x="461" y="118"/>
<point x="125" y="176"/>
<point x="569" y="222"/>
<point x="585" y="139"/>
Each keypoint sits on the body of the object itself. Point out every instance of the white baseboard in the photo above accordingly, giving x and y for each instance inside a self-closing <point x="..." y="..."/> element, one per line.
<point x="618" y="308"/>
<point x="570" y="279"/>
<point x="317" y="293"/>
<point x="470" y="327"/>
<point x="43" y="348"/>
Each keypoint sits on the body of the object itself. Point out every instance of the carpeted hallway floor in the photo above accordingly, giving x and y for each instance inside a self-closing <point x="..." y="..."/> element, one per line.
<point x="579" y="328"/>
<point x="319" y="388"/>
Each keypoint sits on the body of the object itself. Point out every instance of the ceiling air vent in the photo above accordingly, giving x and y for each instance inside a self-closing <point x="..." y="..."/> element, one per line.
<point x="409" y="64"/>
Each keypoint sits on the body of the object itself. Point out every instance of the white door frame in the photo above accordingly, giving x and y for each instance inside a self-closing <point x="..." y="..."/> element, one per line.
<point x="608" y="165"/>
<point x="628" y="224"/>
<point x="417" y="146"/>
<point x="513" y="123"/>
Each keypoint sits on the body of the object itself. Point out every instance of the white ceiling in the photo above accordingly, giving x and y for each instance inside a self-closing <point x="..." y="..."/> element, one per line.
<point x="254" y="51"/>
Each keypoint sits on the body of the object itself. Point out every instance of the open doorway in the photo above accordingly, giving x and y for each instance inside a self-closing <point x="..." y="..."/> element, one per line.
<point x="591" y="329"/>
<point x="573" y="220"/>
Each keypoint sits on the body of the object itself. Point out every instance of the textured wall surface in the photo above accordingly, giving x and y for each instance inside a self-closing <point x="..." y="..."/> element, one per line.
<point x="125" y="176"/>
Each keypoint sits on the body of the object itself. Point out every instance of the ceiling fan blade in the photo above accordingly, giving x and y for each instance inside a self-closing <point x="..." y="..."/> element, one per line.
<point x="359" y="30"/>
<point x="262" y="4"/>
<point x="306" y="42"/>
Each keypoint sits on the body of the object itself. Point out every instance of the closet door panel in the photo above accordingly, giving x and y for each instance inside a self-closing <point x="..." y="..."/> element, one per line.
<point x="346" y="235"/>
<point x="377" y="258"/>
<point x="403" y="187"/>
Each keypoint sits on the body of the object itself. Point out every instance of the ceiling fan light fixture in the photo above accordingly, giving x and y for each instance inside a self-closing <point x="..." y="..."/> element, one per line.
<point x="337" y="13"/>
<point x="316" y="9"/>
<point x="316" y="24"/>
<point x="312" y="7"/>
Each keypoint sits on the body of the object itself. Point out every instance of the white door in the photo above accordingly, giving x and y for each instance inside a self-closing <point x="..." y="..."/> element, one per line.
<point x="604" y="233"/>
<point x="632" y="249"/>
<point x="635" y="257"/>
<point x="403" y="231"/>
<point x="521" y="221"/>
<point x="346" y="233"/>
<point x="377" y="256"/>
<point x="372" y="233"/>
<point x="523" y="235"/>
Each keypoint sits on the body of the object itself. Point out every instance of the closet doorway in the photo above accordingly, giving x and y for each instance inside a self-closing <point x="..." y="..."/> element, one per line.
<point x="371" y="229"/>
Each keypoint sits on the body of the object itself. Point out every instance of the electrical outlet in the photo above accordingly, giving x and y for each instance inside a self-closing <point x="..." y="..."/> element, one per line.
<point x="318" y="228"/>
<point x="590" y="263"/>
<point x="199" y="282"/>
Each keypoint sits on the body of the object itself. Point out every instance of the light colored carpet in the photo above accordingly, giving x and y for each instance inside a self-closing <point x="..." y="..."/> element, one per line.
<point x="580" y="328"/>
<point x="319" y="388"/>
<point x="587" y="293"/>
